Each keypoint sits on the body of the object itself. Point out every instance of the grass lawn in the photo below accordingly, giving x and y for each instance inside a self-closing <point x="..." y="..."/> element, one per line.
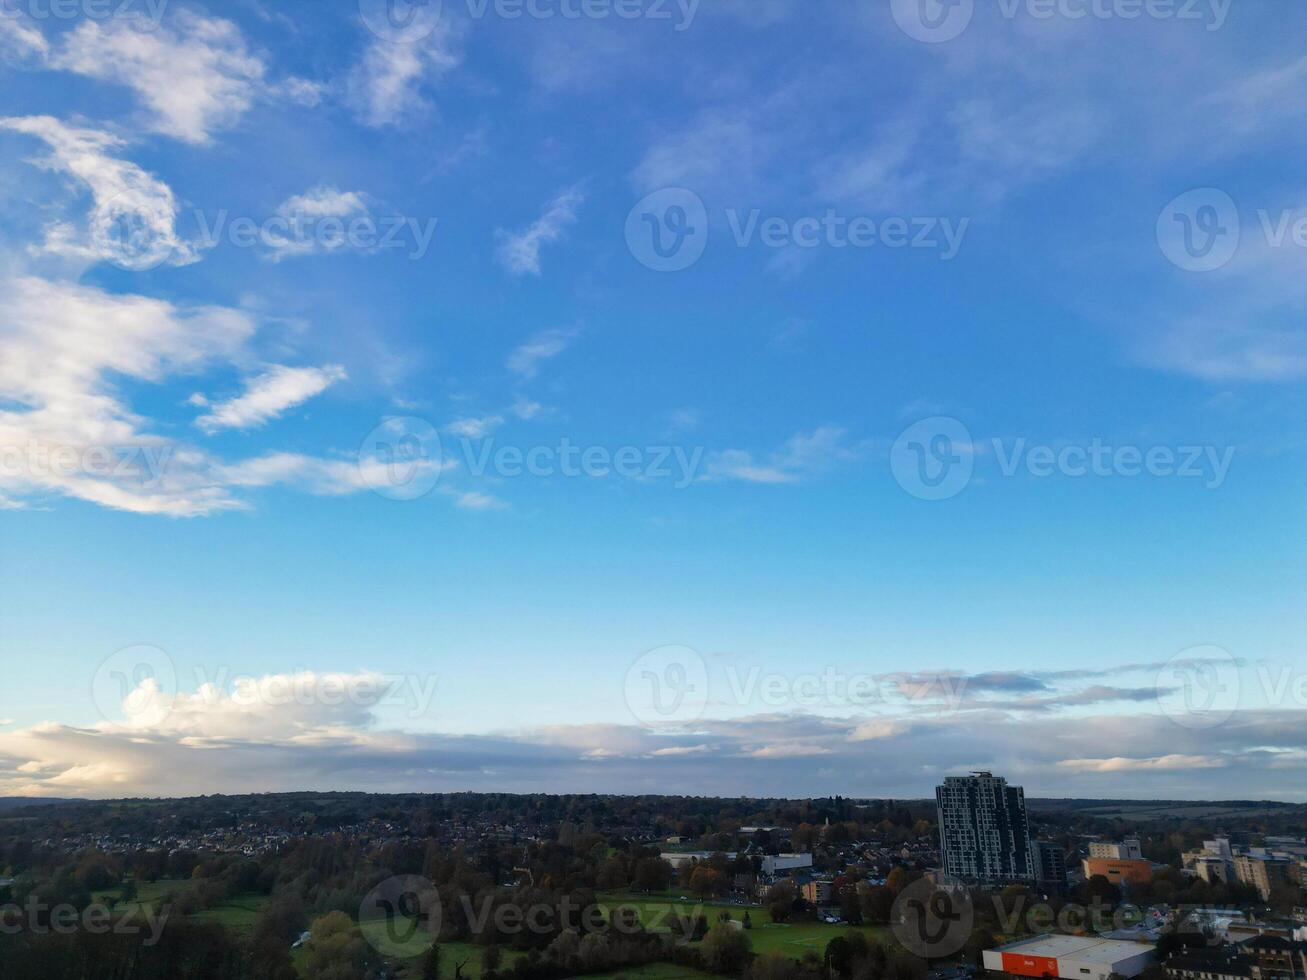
<point x="766" y="936"/>
<point x="406" y="947"/>
<point x="237" y="914"/>
<point x="153" y="893"/>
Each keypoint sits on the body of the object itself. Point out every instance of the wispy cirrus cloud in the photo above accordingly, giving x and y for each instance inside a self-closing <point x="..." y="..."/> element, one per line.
<point x="802" y="456"/>
<point x="526" y="359"/>
<point x="519" y="252"/>
<point x="268" y="396"/>
<point x="195" y="75"/>
<point x="132" y="221"/>
<point x="385" y="87"/>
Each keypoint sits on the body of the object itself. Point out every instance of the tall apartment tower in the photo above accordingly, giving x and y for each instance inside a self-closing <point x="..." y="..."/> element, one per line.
<point x="983" y="828"/>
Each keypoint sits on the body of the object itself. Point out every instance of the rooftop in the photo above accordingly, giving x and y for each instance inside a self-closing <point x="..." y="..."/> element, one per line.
<point x="1086" y="948"/>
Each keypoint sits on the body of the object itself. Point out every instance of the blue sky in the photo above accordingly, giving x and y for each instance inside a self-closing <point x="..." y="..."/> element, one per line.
<point x="288" y="297"/>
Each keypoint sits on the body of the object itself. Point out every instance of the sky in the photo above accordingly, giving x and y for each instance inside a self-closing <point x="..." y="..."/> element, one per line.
<point x="749" y="397"/>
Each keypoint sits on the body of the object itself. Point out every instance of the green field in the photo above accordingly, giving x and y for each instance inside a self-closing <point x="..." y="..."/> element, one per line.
<point x="411" y="946"/>
<point x="766" y="936"/>
<point x="154" y="893"/>
<point x="237" y="914"/>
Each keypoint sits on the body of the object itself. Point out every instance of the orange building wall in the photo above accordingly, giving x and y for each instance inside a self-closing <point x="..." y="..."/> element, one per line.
<point x="1114" y="870"/>
<point x="1029" y="966"/>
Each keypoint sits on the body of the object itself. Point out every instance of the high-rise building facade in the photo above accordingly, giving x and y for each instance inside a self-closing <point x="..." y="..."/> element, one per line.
<point x="1050" y="865"/>
<point x="983" y="828"/>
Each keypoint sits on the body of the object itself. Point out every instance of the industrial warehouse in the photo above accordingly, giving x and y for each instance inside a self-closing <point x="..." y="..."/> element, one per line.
<point x="1070" y="958"/>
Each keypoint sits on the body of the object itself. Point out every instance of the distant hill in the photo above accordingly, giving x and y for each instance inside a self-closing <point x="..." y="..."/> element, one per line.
<point x="15" y="802"/>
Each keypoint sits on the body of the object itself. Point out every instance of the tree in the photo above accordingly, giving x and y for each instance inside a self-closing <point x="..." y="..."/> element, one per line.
<point x="337" y="950"/>
<point x="652" y="874"/>
<point x="781" y="903"/>
<point x="431" y="964"/>
<point x="491" y="959"/>
<point x="706" y="881"/>
<point x="725" y="949"/>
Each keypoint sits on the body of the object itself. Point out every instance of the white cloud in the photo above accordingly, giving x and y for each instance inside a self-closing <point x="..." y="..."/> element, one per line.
<point x="20" y="40"/>
<point x="303" y="216"/>
<point x="474" y="500"/>
<point x="519" y="252"/>
<point x="269" y="395"/>
<point x="525" y="360"/>
<point x="301" y="729"/>
<point x="67" y="430"/>
<point x="385" y="87"/>
<point x="195" y="77"/>
<point x="526" y="409"/>
<point x="1165" y="762"/>
<point x="133" y="219"/>
<point x="474" y="428"/>
<point x="803" y="455"/>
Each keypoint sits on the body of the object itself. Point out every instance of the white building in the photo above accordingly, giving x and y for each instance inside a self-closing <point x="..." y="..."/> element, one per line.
<point x="1070" y="957"/>
<point x="780" y="863"/>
